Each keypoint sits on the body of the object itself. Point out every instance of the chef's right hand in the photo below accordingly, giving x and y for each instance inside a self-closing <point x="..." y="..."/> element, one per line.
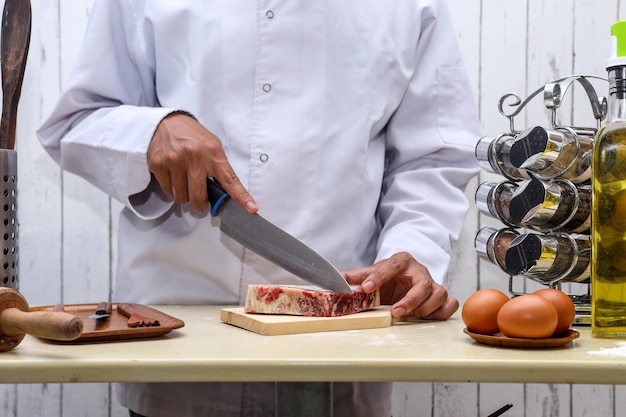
<point x="183" y="154"/>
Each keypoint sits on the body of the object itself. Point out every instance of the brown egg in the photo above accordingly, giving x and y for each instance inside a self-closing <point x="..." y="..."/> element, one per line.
<point x="480" y="311"/>
<point x="564" y="307"/>
<point x="528" y="316"/>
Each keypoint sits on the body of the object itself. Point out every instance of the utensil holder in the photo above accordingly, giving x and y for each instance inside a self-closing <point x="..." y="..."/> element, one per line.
<point x="8" y="219"/>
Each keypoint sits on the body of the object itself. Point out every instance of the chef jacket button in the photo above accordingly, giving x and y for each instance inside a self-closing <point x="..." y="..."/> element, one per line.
<point x="267" y="88"/>
<point x="264" y="157"/>
<point x="269" y="14"/>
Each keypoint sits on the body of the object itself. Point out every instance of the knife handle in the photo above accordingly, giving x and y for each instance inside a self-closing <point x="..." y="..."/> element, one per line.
<point x="104" y="307"/>
<point x="217" y="195"/>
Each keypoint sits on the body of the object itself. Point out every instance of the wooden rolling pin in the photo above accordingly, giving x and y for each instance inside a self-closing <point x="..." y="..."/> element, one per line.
<point x="16" y="321"/>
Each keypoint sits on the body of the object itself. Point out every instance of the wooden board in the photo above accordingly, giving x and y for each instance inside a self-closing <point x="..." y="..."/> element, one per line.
<point x="115" y="327"/>
<point x="277" y="324"/>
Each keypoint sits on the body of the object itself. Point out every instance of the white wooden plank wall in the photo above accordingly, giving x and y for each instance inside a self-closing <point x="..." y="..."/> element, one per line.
<point x="67" y="228"/>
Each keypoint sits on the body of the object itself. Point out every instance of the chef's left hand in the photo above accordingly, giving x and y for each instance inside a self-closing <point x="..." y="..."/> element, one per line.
<point x="407" y="285"/>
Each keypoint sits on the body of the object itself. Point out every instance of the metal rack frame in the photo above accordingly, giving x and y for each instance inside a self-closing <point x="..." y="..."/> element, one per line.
<point x="510" y="106"/>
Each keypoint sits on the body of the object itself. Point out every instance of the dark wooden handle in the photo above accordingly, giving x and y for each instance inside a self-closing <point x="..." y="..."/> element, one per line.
<point x="104" y="307"/>
<point x="14" y="44"/>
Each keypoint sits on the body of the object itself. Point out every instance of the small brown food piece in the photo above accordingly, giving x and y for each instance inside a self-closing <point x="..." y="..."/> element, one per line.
<point x="136" y="319"/>
<point x="301" y="300"/>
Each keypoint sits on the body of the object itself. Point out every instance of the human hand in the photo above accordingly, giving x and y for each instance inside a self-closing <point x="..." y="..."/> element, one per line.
<point x="407" y="285"/>
<point x="183" y="154"/>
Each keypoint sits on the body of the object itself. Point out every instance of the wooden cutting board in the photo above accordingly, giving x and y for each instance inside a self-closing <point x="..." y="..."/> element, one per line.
<point x="277" y="324"/>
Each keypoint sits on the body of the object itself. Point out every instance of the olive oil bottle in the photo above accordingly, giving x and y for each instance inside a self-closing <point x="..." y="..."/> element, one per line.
<point x="608" y="230"/>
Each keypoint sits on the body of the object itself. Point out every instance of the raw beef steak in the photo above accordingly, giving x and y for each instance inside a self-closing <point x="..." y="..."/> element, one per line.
<point x="307" y="300"/>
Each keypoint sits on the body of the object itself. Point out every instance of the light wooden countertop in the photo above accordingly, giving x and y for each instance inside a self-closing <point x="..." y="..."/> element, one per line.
<point x="208" y="350"/>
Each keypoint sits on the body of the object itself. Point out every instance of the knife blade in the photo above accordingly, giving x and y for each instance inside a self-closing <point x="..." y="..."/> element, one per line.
<point x="103" y="311"/>
<point x="274" y="244"/>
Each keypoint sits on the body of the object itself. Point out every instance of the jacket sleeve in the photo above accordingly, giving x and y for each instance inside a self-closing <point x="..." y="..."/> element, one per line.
<point x="430" y="151"/>
<point x="104" y="120"/>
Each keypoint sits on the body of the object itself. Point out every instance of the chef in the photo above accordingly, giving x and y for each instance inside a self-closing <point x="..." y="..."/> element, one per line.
<point x="348" y="123"/>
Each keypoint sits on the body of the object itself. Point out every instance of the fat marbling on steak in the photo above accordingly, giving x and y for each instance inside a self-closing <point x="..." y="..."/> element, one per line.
<point x="302" y="300"/>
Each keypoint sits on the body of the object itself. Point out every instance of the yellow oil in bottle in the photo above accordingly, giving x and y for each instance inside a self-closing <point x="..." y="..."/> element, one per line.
<point x="609" y="232"/>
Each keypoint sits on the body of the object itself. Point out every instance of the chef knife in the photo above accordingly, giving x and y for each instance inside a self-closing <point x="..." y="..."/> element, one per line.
<point x="267" y="240"/>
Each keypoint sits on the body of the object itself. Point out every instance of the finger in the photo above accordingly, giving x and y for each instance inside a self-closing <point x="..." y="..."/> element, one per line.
<point x="164" y="181"/>
<point x="445" y="311"/>
<point x="180" y="188"/>
<point x="423" y="301"/>
<point x="198" y="195"/>
<point x="382" y="271"/>
<point x="157" y="165"/>
<point x="233" y="186"/>
<point x="410" y="303"/>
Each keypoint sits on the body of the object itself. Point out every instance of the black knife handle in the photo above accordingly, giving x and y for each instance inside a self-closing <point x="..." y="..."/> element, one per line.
<point x="217" y="195"/>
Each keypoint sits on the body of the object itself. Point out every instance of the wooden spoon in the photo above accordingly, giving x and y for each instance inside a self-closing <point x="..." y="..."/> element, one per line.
<point x="14" y="43"/>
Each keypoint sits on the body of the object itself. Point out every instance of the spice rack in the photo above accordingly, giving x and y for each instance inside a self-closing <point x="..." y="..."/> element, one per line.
<point x="544" y="197"/>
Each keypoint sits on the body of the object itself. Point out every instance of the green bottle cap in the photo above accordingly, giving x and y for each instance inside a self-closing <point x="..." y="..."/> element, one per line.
<point x="618" y="44"/>
<point x="618" y="30"/>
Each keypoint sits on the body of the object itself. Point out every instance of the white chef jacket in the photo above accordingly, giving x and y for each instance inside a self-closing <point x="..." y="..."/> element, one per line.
<point x="351" y="122"/>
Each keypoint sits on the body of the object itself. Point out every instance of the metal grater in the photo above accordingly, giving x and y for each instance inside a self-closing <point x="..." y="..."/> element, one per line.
<point x="8" y="219"/>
